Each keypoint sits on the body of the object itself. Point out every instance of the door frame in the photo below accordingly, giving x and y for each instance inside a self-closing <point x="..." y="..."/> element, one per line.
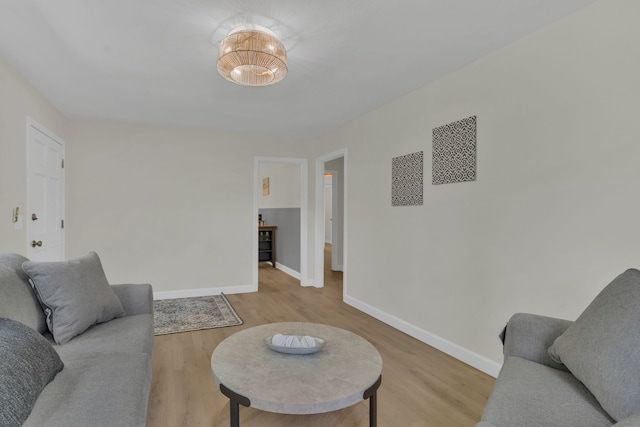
<point x="33" y="126"/>
<point x="304" y="201"/>
<point x="319" y="215"/>
<point x="335" y="216"/>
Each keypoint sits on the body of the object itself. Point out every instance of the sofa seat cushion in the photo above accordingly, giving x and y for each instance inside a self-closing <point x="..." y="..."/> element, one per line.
<point x="124" y="334"/>
<point x="529" y="394"/>
<point x="27" y="365"/>
<point x="106" y="391"/>
<point x="75" y="294"/>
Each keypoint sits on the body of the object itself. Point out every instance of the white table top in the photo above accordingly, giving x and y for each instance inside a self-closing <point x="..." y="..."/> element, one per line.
<point x="334" y="378"/>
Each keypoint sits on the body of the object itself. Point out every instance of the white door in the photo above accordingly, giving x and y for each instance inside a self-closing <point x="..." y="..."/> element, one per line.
<point x="45" y="195"/>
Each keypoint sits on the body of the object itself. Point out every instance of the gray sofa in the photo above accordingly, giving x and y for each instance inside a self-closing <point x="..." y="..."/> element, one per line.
<point x="106" y="376"/>
<point x="572" y="374"/>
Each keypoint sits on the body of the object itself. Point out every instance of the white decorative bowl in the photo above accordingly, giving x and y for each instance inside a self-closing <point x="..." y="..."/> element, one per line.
<point x="296" y="350"/>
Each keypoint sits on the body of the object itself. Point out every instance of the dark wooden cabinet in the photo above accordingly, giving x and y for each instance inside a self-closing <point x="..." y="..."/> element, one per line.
<point x="267" y="244"/>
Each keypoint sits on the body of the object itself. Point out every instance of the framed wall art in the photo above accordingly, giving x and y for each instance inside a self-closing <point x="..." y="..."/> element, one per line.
<point x="454" y="152"/>
<point x="407" y="179"/>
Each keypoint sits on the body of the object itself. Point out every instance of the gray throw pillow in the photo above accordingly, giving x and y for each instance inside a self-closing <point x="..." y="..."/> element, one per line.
<point x="27" y="364"/>
<point x="74" y="295"/>
<point x="602" y="347"/>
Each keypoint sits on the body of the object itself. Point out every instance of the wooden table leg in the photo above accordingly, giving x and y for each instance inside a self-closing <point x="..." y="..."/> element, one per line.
<point x="372" y="394"/>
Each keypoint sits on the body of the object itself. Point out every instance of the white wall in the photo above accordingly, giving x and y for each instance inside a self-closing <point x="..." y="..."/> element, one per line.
<point x="18" y="99"/>
<point x="284" y="185"/>
<point x="550" y="220"/>
<point x="553" y="214"/>
<point x="172" y="207"/>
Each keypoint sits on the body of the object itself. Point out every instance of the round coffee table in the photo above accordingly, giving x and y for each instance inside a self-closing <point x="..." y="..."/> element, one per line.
<point x="347" y="370"/>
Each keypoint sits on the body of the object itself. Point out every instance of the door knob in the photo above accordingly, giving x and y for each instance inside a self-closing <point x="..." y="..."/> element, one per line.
<point x="34" y="243"/>
<point x="34" y="217"/>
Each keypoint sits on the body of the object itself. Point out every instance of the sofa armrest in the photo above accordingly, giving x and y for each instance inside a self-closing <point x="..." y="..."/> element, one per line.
<point x="529" y="336"/>
<point x="136" y="299"/>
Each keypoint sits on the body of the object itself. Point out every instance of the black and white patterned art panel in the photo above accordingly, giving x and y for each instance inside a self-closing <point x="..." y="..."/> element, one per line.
<point x="406" y="179"/>
<point x="454" y="152"/>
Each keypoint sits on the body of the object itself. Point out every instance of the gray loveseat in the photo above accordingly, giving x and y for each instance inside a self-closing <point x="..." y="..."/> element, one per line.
<point x="105" y="380"/>
<point x="558" y="373"/>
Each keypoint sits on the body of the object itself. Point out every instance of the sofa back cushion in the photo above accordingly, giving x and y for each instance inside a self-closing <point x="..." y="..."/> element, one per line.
<point x="17" y="300"/>
<point x="602" y="347"/>
<point x="75" y="295"/>
<point x="27" y="364"/>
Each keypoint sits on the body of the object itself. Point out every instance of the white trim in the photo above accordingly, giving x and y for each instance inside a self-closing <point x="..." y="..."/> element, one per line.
<point x="304" y="206"/>
<point x="335" y="214"/>
<point x="337" y="217"/>
<point x="204" y="292"/>
<point x="319" y="219"/>
<point x="318" y="263"/>
<point x="287" y="270"/>
<point x="330" y="186"/>
<point x="469" y="357"/>
<point x="307" y="282"/>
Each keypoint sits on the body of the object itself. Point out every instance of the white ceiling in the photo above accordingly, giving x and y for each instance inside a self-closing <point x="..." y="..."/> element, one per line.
<point x="154" y="61"/>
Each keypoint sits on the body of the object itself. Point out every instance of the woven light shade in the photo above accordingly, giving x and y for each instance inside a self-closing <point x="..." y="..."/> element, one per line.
<point x="252" y="56"/>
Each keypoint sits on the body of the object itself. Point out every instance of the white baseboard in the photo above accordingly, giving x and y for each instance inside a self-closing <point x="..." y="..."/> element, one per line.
<point x="295" y="274"/>
<point x="204" y="292"/>
<point x="287" y="270"/>
<point x="467" y="356"/>
<point x="339" y="268"/>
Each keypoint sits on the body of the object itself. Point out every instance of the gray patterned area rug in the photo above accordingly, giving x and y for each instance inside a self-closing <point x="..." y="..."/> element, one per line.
<point x="193" y="314"/>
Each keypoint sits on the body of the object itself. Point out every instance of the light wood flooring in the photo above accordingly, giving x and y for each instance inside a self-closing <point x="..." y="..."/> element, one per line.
<point x="421" y="386"/>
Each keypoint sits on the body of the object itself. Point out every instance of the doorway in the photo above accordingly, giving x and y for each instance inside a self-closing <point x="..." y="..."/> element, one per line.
<point x="283" y="204"/>
<point x="333" y="213"/>
<point x="45" y="194"/>
<point x="334" y="164"/>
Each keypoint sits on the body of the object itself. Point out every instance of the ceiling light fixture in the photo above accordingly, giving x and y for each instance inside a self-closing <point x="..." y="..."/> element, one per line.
<point x="252" y="56"/>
